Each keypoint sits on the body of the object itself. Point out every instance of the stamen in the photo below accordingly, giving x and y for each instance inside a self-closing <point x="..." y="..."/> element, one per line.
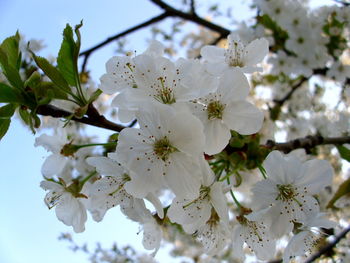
<point x="164" y="94"/>
<point x="162" y="148"/>
<point x="215" y="110"/>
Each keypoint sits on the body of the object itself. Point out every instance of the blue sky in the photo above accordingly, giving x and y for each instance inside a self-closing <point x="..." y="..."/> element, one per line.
<point x="28" y="230"/>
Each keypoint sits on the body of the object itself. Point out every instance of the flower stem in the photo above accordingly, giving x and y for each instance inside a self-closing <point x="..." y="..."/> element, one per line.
<point x="262" y="170"/>
<point x="233" y="195"/>
<point x="87" y="178"/>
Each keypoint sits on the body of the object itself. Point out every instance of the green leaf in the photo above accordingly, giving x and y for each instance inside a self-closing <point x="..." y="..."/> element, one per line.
<point x="67" y="59"/>
<point x="7" y="111"/>
<point x="33" y="80"/>
<point x="344" y="152"/>
<point x="343" y="189"/>
<point x="10" y="72"/>
<point x="4" y="126"/>
<point x="7" y="94"/>
<point x="27" y="118"/>
<point x="52" y="73"/>
<point x="10" y="46"/>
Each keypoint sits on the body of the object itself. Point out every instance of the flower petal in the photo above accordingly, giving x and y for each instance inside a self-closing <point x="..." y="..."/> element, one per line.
<point x="53" y="165"/>
<point x="213" y="54"/>
<point x="243" y="117"/>
<point x="256" y="51"/>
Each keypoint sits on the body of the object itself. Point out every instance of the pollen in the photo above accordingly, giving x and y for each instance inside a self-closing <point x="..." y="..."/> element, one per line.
<point x="286" y="192"/>
<point x="215" y="110"/>
<point x="162" y="148"/>
<point x="234" y="55"/>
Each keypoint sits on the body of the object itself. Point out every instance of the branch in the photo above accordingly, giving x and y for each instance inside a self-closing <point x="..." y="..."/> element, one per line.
<point x="89" y="51"/>
<point x="93" y="117"/>
<point x="329" y="246"/>
<point x="343" y="2"/>
<point x="324" y="250"/>
<point x="193" y="7"/>
<point x="191" y="17"/>
<point x="280" y="102"/>
<point x="306" y="143"/>
<point x="318" y="71"/>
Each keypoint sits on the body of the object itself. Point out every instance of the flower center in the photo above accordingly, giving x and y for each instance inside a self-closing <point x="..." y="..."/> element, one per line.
<point x="162" y="148"/>
<point x="215" y="110"/>
<point x="234" y="54"/>
<point x="286" y="192"/>
<point x="164" y="94"/>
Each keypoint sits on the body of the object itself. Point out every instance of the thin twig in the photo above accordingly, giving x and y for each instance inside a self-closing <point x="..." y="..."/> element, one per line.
<point x="297" y="85"/>
<point x="193" y="7"/>
<point x="86" y="54"/>
<point x="191" y="17"/>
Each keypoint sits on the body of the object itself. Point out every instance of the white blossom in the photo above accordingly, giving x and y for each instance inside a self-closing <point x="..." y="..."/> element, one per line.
<point x="69" y="208"/>
<point x="236" y="55"/>
<point x="308" y="239"/>
<point x="165" y="150"/>
<point x="286" y="196"/>
<point x="55" y="163"/>
<point x="227" y="109"/>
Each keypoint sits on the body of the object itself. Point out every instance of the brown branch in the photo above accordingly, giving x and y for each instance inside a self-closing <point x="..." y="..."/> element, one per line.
<point x="193" y="7"/>
<point x="324" y="250"/>
<point x="191" y="17"/>
<point x="297" y="85"/>
<point x="86" y="54"/>
<point x="306" y="143"/>
<point x="93" y="117"/>
<point x="280" y="102"/>
<point x="329" y="246"/>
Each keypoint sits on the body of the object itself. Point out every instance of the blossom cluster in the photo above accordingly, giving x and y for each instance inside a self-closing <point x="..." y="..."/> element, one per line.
<point x="187" y="111"/>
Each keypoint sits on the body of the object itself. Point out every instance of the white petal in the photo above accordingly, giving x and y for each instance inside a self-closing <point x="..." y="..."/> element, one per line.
<point x="71" y="212"/>
<point x="256" y="51"/>
<point x="217" y="136"/>
<point x="136" y="211"/>
<point x="186" y="133"/>
<point x="219" y="202"/>
<point x="280" y="224"/>
<point x="296" y="246"/>
<point x="119" y="75"/>
<point x="183" y="176"/>
<point x="53" y="165"/>
<point x="131" y="147"/>
<point x="48" y="185"/>
<point x="217" y="68"/>
<point x="238" y="243"/>
<point x="243" y="117"/>
<point x="141" y="185"/>
<point x="316" y="175"/>
<point x="50" y="143"/>
<point x="233" y="86"/>
<point x="157" y="204"/>
<point x="274" y="166"/>
<point x="105" y="166"/>
<point x="213" y="54"/>
<point x="152" y="235"/>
